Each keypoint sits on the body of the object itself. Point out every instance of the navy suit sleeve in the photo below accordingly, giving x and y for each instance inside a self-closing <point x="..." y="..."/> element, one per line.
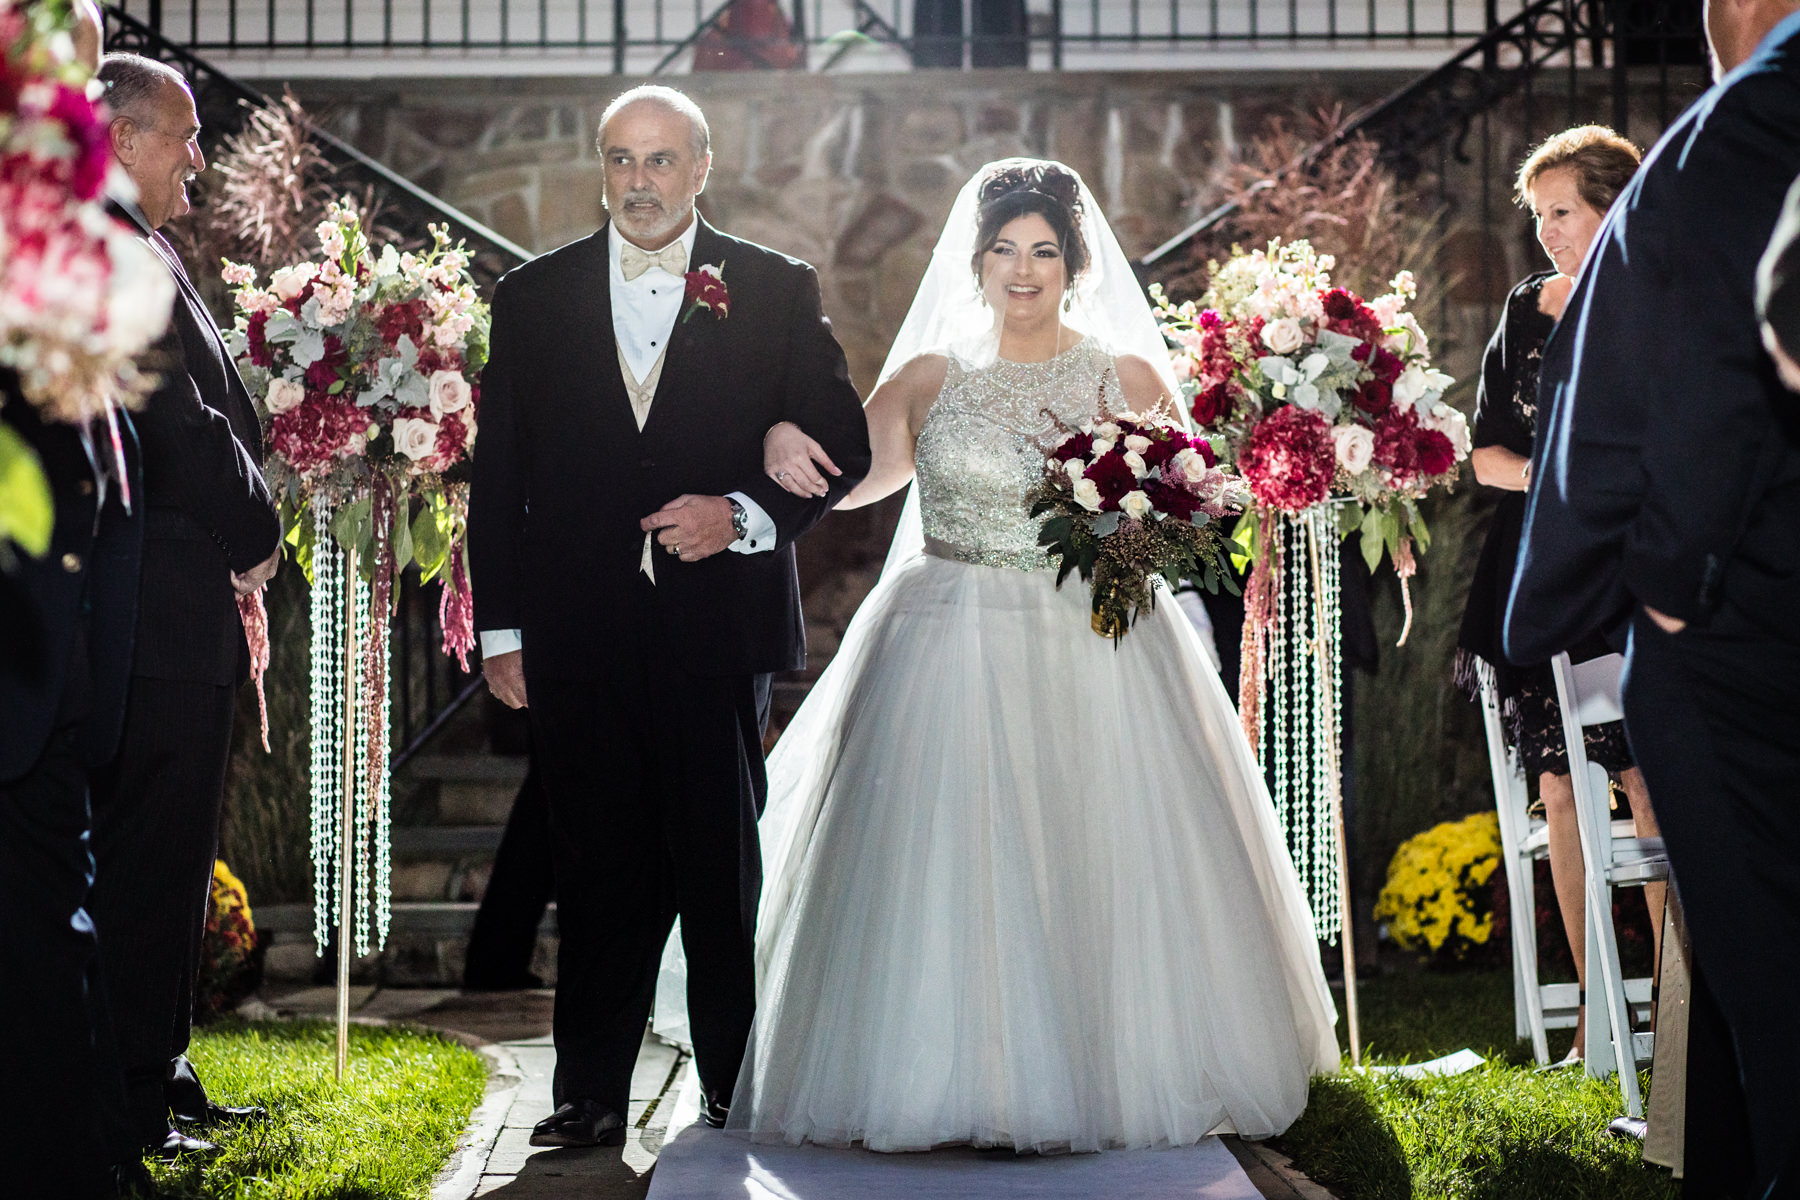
<point x="497" y="488"/>
<point x="821" y="400"/>
<point x="1711" y="418"/>
<point x="205" y="469"/>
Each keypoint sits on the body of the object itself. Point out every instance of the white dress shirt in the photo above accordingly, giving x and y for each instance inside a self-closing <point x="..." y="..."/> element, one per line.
<point x="644" y="312"/>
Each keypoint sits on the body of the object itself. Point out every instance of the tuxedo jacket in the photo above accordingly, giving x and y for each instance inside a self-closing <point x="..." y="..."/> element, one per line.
<point x="208" y="509"/>
<point x="86" y="584"/>
<point x="563" y="475"/>
<point x="1667" y="470"/>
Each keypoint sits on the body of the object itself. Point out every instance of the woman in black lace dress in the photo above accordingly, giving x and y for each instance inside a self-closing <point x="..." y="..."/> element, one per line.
<point x="1568" y="183"/>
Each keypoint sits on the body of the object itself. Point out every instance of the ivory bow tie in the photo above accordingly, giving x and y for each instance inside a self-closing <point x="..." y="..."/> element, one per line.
<point x="634" y="261"/>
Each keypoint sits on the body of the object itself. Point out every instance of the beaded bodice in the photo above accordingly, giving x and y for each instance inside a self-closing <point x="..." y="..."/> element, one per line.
<point x="981" y="449"/>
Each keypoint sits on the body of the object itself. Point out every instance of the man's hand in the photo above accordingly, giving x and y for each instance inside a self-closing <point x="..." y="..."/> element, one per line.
<point x="693" y="527"/>
<point x="506" y="677"/>
<point x="256" y="576"/>
<point x="1664" y="621"/>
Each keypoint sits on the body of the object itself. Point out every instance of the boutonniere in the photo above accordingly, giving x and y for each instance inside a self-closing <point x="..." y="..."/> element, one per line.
<point x="706" y="289"/>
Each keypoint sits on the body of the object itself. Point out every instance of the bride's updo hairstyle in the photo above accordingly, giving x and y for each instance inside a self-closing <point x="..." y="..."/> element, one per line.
<point x="1047" y="190"/>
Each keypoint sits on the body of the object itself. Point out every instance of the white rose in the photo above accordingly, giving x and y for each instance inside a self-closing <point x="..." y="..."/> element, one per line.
<point x="1355" y="446"/>
<point x="284" y="394"/>
<point x="449" y="392"/>
<point x="1107" y="430"/>
<point x="289" y="282"/>
<point x="1134" y="460"/>
<point x="1136" y="505"/>
<point x="1102" y="445"/>
<point x="1087" y="494"/>
<point x="1284" y="335"/>
<point x="1137" y="443"/>
<point x="415" y="437"/>
<point x="1193" y="468"/>
<point x="1076" y="468"/>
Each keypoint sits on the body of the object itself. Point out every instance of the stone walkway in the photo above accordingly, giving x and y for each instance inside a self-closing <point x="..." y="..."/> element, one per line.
<point x="512" y="1030"/>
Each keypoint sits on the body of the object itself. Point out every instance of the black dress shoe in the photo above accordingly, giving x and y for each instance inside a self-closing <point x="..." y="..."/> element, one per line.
<point x="178" y="1144"/>
<point x="713" y="1110"/>
<point x="222" y="1115"/>
<point x="580" y="1123"/>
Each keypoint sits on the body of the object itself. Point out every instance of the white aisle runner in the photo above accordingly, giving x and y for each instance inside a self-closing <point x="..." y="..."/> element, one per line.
<point x="707" y="1164"/>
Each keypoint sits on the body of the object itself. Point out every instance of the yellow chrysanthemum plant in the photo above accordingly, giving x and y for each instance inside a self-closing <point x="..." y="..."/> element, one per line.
<point x="1438" y="898"/>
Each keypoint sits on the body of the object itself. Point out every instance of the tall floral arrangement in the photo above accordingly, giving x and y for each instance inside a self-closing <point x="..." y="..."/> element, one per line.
<point x="1319" y="393"/>
<point x="80" y="297"/>
<point x="366" y="368"/>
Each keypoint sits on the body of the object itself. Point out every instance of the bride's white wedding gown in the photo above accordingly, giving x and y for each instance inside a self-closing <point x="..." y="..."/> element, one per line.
<point x="1023" y="889"/>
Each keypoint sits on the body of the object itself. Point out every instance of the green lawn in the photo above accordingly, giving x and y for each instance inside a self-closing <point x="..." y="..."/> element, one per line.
<point x="1496" y="1133"/>
<point x="384" y="1133"/>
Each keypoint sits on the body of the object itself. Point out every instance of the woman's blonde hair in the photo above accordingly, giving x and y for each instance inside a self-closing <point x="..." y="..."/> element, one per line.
<point x="1602" y="160"/>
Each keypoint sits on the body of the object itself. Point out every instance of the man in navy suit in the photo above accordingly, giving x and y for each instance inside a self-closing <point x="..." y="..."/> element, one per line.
<point x="1666" y="502"/>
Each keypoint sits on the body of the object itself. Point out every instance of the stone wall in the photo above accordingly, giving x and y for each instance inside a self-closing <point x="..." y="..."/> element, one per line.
<point x="854" y="174"/>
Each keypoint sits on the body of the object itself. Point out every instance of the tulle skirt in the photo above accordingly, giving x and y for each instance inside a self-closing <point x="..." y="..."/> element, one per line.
<point x="1024" y="889"/>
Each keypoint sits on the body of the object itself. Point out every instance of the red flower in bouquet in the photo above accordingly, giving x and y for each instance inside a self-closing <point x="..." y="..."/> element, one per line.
<point x="1212" y="404"/>
<point x="1409" y="452"/>
<point x="318" y="432"/>
<point x="706" y="289"/>
<point x="1288" y="461"/>
<point x="1113" y="476"/>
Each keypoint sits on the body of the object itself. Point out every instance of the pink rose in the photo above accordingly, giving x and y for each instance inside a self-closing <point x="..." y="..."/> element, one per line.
<point x="449" y="393"/>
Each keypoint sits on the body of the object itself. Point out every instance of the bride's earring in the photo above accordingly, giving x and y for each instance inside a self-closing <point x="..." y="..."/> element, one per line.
<point x="1068" y="301"/>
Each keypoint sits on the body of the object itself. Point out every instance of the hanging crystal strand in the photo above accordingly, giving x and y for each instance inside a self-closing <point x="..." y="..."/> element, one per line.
<point x="1275" y="723"/>
<point x="1331" y="576"/>
<point x="327" y="700"/>
<point x="380" y="900"/>
<point x="1322" y="614"/>
<point x="364" y="792"/>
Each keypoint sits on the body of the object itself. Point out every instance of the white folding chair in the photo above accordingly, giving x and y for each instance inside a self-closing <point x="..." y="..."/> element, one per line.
<point x="1536" y="1006"/>
<point x="1588" y="695"/>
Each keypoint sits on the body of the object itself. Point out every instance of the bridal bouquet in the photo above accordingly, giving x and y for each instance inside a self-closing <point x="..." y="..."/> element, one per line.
<point x="1316" y="392"/>
<point x="367" y="367"/>
<point x="80" y="297"/>
<point x="1127" y="499"/>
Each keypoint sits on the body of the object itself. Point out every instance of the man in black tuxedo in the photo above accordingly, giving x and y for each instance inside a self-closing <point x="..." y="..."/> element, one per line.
<point x="211" y="533"/>
<point x="620" y="525"/>
<point x="67" y="618"/>
<point x="1666" y="495"/>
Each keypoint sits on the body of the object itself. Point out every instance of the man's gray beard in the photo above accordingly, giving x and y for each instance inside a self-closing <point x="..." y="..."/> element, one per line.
<point x="674" y="221"/>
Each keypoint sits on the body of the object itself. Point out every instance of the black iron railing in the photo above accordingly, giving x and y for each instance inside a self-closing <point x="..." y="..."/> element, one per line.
<point x="222" y="99"/>
<point x="1553" y="64"/>
<point x="634" y="34"/>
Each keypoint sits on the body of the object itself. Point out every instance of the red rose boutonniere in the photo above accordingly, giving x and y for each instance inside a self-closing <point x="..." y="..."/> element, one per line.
<point x="706" y="289"/>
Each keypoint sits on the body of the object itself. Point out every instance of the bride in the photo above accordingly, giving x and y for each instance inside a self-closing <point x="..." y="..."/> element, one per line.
<point x="1024" y="889"/>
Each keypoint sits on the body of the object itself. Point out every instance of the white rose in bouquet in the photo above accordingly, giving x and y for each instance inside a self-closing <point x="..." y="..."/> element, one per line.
<point x="1283" y="335"/>
<point x="415" y="437"/>
<point x="1134" y="460"/>
<point x="1087" y="494"/>
<point x="1076" y="468"/>
<point x="449" y="392"/>
<point x="1354" y="446"/>
<point x="1137" y="443"/>
<point x="1135" y="505"/>
<point x="289" y="282"/>
<point x="284" y="394"/>
<point x="1193" y="468"/>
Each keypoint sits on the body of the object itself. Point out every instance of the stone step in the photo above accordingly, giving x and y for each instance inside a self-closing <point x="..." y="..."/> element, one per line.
<point x="470" y="768"/>
<point x="449" y="841"/>
<point x="426" y="945"/>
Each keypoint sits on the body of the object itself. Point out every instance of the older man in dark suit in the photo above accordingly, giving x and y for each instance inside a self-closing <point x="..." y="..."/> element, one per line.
<point x="1666" y="497"/>
<point x="211" y="534"/>
<point x="620" y="525"/>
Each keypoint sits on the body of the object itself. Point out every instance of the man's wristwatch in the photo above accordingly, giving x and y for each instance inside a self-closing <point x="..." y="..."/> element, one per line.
<point x="740" y="520"/>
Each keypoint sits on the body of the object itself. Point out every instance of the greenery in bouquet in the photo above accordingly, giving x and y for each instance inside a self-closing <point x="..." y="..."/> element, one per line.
<point x="1127" y="499"/>
<point x="366" y="367"/>
<point x="1317" y="393"/>
<point x="80" y="297"/>
<point x="1438" y="900"/>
